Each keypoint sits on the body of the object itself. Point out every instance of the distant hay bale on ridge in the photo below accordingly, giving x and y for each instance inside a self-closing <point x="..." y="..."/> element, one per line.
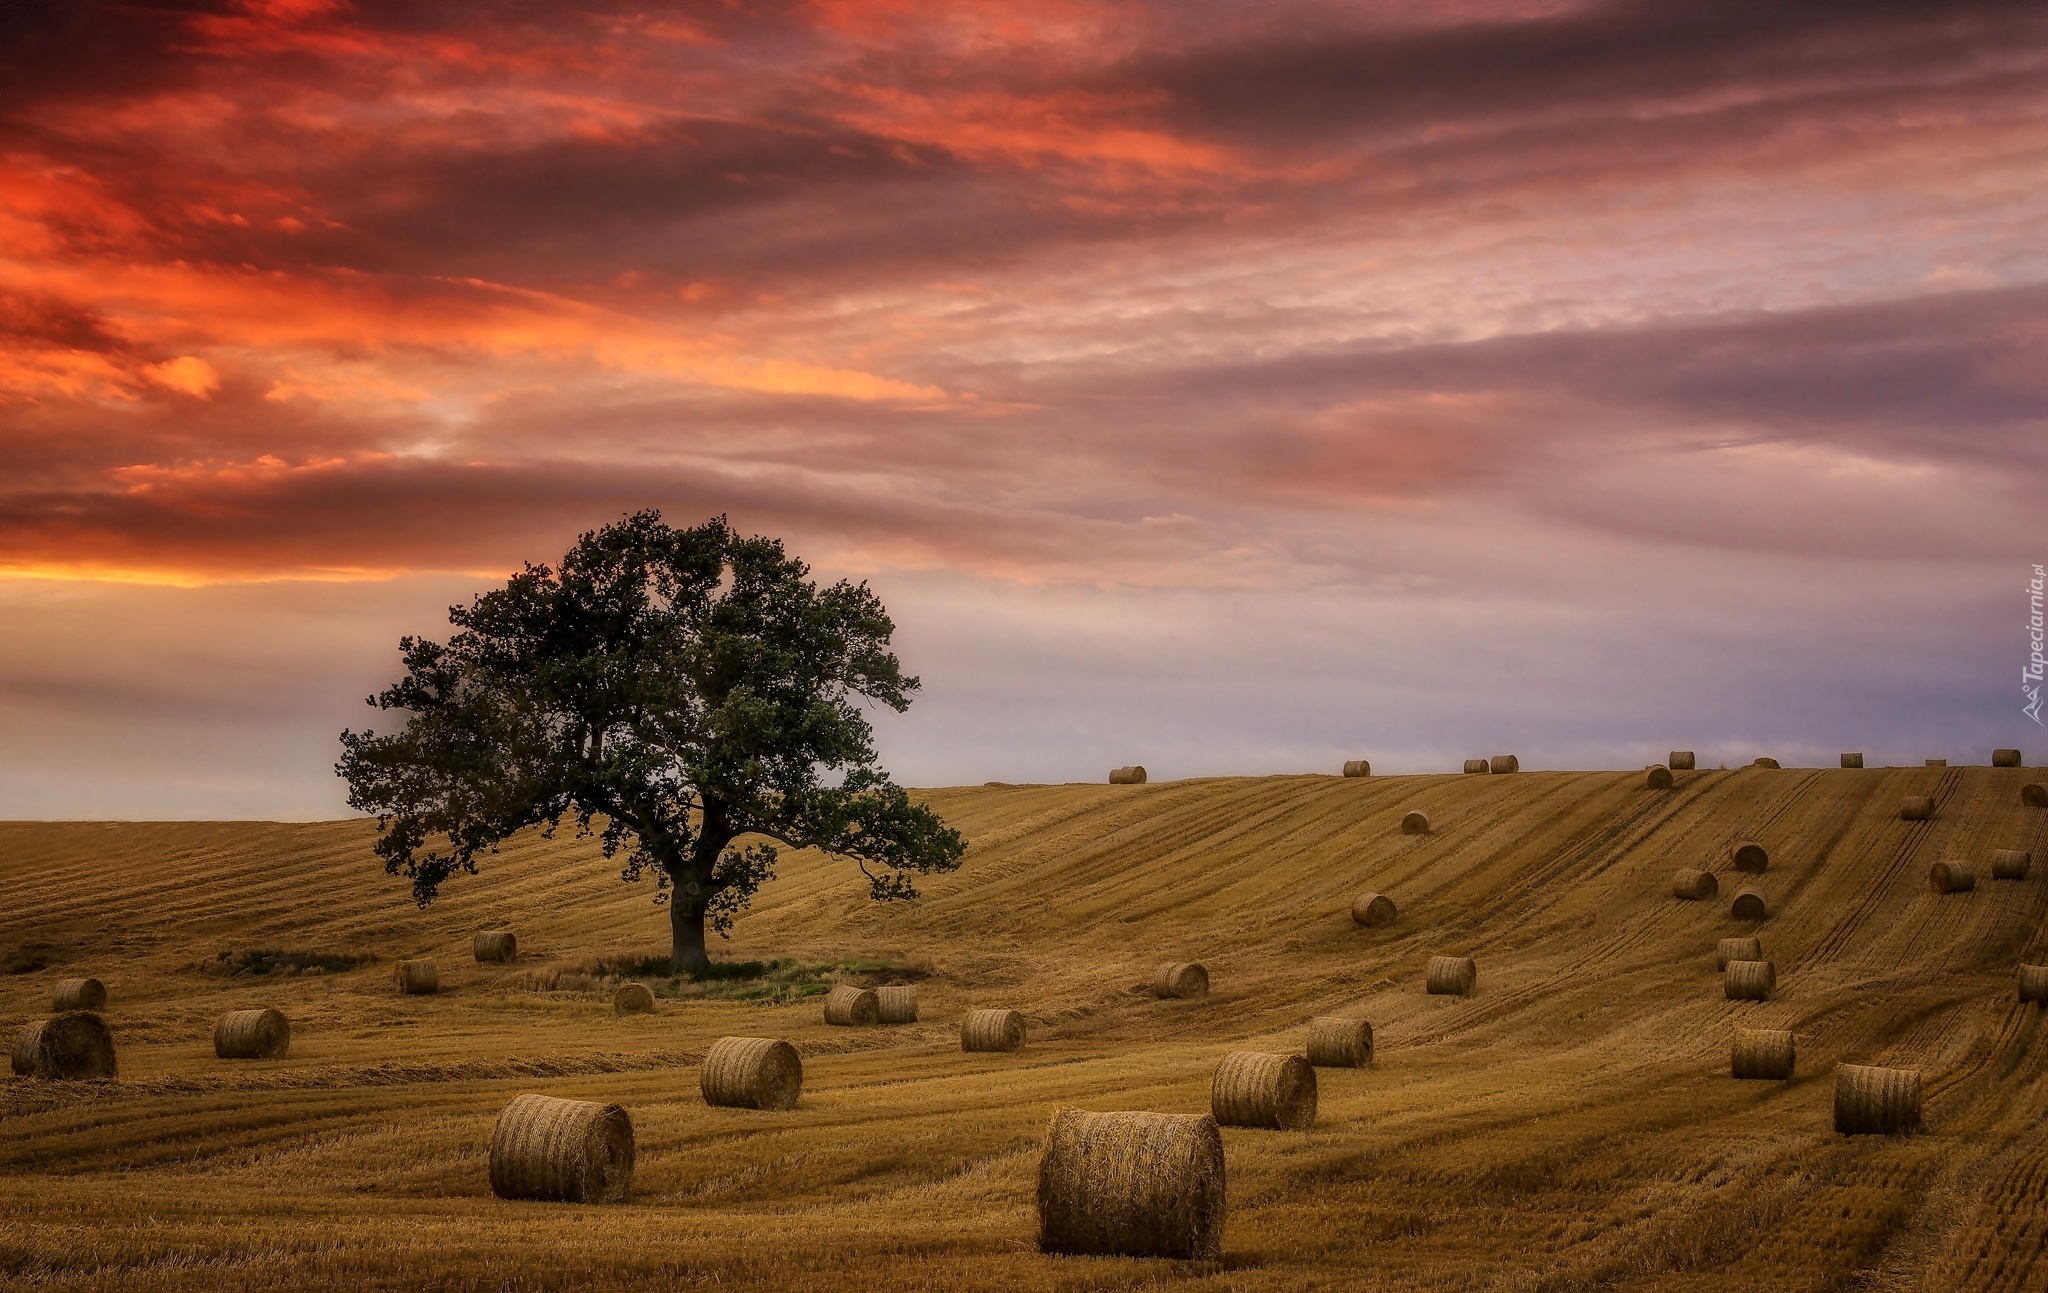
<point x="1132" y="1185"/>
<point x="992" y="1030"/>
<point x="633" y="999"/>
<point x="1764" y="761"/>
<point x="417" y="977"/>
<point x="847" y="1006"/>
<point x="2005" y="758"/>
<point x="1951" y="877"/>
<point x="1749" y="980"/>
<point x="1337" y="1043"/>
<point x="1358" y="767"/>
<point x="1750" y="904"/>
<point x="495" y="945"/>
<point x="1750" y="856"/>
<point x="1658" y="777"/>
<point x="1680" y="761"/>
<point x="1916" y="808"/>
<point x="1181" y="981"/>
<point x="751" y="1073"/>
<point x="1852" y="760"/>
<point x="1261" y="1089"/>
<point x="2034" y="795"/>
<point x="78" y="994"/>
<point x="897" y="1003"/>
<point x="1131" y="776"/>
<point x="1505" y="763"/>
<point x="260" y="1034"/>
<point x="1872" y="1101"/>
<point x="1694" y="885"/>
<point x="1937" y="763"/>
<point x="1765" y="1053"/>
<point x="562" y="1151"/>
<point x="1478" y="765"/>
<point x="2010" y="864"/>
<point x="1451" y="976"/>
<point x="1415" y="822"/>
<point x="2034" y="984"/>
<point x="1737" y="949"/>
<point x="74" y="1045"/>
<point x="1373" y="910"/>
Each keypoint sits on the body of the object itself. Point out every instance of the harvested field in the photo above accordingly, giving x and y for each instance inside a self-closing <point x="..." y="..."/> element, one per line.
<point x="1573" y="1125"/>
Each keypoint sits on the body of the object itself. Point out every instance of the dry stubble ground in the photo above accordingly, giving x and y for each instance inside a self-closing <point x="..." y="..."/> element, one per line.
<point x="1569" y="1127"/>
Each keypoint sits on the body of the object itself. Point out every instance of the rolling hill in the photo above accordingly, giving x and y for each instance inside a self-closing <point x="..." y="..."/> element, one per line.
<point x="1571" y="1125"/>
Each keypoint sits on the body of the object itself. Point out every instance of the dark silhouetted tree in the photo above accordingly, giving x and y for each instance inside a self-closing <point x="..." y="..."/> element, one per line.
<point x="687" y="695"/>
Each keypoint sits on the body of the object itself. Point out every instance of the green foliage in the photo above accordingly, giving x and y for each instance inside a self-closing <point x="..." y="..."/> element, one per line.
<point x="758" y="982"/>
<point x="668" y="690"/>
<point x="238" y="963"/>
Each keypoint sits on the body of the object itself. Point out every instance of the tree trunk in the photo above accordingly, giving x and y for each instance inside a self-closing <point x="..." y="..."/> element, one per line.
<point x="686" y="936"/>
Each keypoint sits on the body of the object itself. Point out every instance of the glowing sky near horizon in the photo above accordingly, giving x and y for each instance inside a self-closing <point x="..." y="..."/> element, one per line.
<point x="1223" y="387"/>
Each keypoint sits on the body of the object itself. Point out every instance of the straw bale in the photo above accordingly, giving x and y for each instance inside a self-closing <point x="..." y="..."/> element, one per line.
<point x="1338" y="1043"/>
<point x="562" y="1151"/>
<point x="847" y="1006"/>
<point x="1132" y="1184"/>
<point x="751" y="1073"/>
<point x="261" y="1034"/>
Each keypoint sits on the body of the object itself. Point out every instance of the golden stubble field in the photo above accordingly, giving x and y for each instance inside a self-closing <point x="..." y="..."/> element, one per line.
<point x="1571" y="1126"/>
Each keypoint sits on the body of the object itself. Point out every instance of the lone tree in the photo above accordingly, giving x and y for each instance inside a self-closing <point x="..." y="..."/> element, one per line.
<point x="682" y="689"/>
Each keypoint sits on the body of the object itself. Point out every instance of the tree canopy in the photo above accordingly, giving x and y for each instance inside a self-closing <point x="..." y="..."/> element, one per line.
<point x="674" y="691"/>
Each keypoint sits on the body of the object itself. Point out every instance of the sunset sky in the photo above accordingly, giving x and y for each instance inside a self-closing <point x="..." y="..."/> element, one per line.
<point x="1223" y="387"/>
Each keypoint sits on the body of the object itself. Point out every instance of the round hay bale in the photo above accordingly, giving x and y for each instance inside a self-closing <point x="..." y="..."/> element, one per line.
<point x="1260" y="1089"/>
<point x="2034" y="984"/>
<point x="1765" y="1053"/>
<point x="1131" y="776"/>
<point x="1750" y="904"/>
<point x="1657" y="777"/>
<point x="1681" y="761"/>
<point x="2005" y="758"/>
<point x="1132" y="1185"/>
<point x="495" y="945"/>
<point x="633" y="999"/>
<point x="1505" y="763"/>
<point x="1694" y="885"/>
<point x="847" y="1006"/>
<point x="252" y="1035"/>
<point x="1478" y="765"/>
<point x="751" y="1073"/>
<point x="1737" y="949"/>
<point x="1937" y="763"/>
<point x="1181" y="981"/>
<point x="1852" y="760"/>
<point x="1335" y="1043"/>
<point x="1358" y="767"/>
<point x="2010" y="864"/>
<point x="1951" y="877"/>
<point x="563" y="1151"/>
<point x="897" y="1003"/>
<point x="78" y="994"/>
<point x="1749" y="855"/>
<point x="1373" y="910"/>
<point x="1452" y="976"/>
<point x="2034" y="795"/>
<point x="1415" y="823"/>
<point x="1749" y="980"/>
<point x="77" y="1044"/>
<point x="1871" y="1101"/>
<point x="992" y="1030"/>
<point x="1764" y="761"/>
<point x="418" y="977"/>
<point x="1916" y="808"/>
